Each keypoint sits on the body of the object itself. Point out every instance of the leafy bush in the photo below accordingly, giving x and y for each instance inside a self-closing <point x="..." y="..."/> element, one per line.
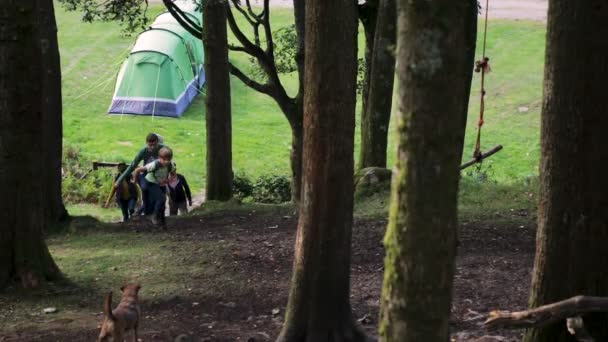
<point x="272" y="189"/>
<point x="79" y="184"/>
<point x="242" y="186"/>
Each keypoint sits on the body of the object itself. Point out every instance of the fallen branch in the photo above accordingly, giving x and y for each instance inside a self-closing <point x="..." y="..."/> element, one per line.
<point x="547" y="314"/>
<point x="481" y="158"/>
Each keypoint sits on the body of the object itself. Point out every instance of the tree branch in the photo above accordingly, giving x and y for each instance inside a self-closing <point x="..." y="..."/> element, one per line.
<point x="546" y="314"/>
<point x="273" y="87"/>
<point x="252" y="13"/>
<point x="267" y="30"/>
<point x="250" y="47"/>
<point x="255" y="23"/>
<point x="236" y="48"/>
<point x="238" y="7"/>
<point x="262" y="88"/>
<point x="185" y="16"/>
<point x="177" y="13"/>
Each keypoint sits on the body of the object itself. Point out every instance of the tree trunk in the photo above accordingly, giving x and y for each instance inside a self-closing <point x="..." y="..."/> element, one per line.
<point x="433" y="61"/>
<point x="52" y="106"/>
<point x="368" y="13"/>
<point x="571" y="251"/>
<point x="218" y="116"/>
<point x="299" y="13"/>
<point x="375" y="119"/>
<point x="23" y="252"/>
<point x="296" y="158"/>
<point x="319" y="308"/>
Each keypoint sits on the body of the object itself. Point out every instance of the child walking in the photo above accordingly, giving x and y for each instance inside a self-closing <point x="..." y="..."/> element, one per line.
<point x="156" y="180"/>
<point x="149" y="153"/>
<point x="127" y="194"/>
<point x="179" y="192"/>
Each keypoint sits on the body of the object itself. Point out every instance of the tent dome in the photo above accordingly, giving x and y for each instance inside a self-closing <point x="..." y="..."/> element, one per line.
<point x="163" y="72"/>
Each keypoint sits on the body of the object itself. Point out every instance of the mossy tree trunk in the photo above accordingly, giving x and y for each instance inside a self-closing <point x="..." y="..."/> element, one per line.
<point x="24" y="255"/>
<point x="434" y="61"/>
<point x="571" y="253"/>
<point x="52" y="106"/>
<point x="218" y="101"/>
<point x="375" y="119"/>
<point x="319" y="307"/>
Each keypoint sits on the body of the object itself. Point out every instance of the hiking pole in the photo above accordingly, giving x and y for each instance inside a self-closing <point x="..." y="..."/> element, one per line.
<point x="110" y="196"/>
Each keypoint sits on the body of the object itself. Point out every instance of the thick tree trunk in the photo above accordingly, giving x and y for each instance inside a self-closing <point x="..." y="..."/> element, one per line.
<point x="375" y="119"/>
<point x="23" y="252"/>
<point x="218" y="115"/>
<point x="433" y="61"/>
<point x="571" y="251"/>
<point x="319" y="308"/>
<point x="52" y="106"/>
<point x="368" y="13"/>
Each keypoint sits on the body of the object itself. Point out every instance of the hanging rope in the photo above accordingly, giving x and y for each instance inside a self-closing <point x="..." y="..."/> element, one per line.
<point x="482" y="66"/>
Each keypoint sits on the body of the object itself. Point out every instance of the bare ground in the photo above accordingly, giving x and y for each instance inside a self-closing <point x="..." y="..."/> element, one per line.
<point x="493" y="271"/>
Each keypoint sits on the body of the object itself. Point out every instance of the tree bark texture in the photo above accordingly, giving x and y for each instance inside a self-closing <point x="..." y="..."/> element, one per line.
<point x="433" y="62"/>
<point x="319" y="308"/>
<point x="299" y="12"/>
<point x="375" y="119"/>
<point x="24" y="255"/>
<point x="52" y="106"/>
<point x="571" y="251"/>
<point x="218" y="103"/>
<point x="368" y="13"/>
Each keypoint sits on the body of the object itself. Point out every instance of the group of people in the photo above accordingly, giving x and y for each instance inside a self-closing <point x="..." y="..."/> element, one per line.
<point x="154" y="180"/>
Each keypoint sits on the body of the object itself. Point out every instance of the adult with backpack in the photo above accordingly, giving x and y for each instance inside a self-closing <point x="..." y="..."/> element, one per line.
<point x="146" y="155"/>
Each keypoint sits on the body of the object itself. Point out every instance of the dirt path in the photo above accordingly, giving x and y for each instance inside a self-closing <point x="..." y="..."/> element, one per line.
<point x="493" y="271"/>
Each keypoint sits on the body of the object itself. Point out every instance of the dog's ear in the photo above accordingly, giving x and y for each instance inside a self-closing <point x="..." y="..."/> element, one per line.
<point x="137" y="287"/>
<point x="122" y="288"/>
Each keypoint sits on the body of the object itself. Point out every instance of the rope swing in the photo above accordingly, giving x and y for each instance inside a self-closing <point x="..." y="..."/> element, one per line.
<point x="482" y="66"/>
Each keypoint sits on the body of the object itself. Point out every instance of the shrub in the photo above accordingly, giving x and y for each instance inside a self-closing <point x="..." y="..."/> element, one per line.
<point x="242" y="186"/>
<point x="78" y="184"/>
<point x="272" y="189"/>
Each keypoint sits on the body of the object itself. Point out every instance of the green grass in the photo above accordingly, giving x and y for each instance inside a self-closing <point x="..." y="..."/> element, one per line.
<point x="94" y="210"/>
<point x="96" y="261"/>
<point x="92" y="53"/>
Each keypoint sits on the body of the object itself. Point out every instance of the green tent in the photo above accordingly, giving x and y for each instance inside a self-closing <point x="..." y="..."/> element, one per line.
<point x="164" y="71"/>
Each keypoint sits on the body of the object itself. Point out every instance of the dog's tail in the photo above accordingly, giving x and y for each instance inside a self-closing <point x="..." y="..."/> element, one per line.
<point x="107" y="307"/>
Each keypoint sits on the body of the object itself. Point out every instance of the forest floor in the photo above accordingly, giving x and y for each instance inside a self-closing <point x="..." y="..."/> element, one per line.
<point x="224" y="276"/>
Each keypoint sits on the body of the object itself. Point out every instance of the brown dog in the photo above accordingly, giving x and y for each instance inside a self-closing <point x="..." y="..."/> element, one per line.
<point x="122" y="319"/>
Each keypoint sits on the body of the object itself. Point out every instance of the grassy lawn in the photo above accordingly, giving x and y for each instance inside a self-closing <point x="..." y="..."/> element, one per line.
<point x="92" y="53"/>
